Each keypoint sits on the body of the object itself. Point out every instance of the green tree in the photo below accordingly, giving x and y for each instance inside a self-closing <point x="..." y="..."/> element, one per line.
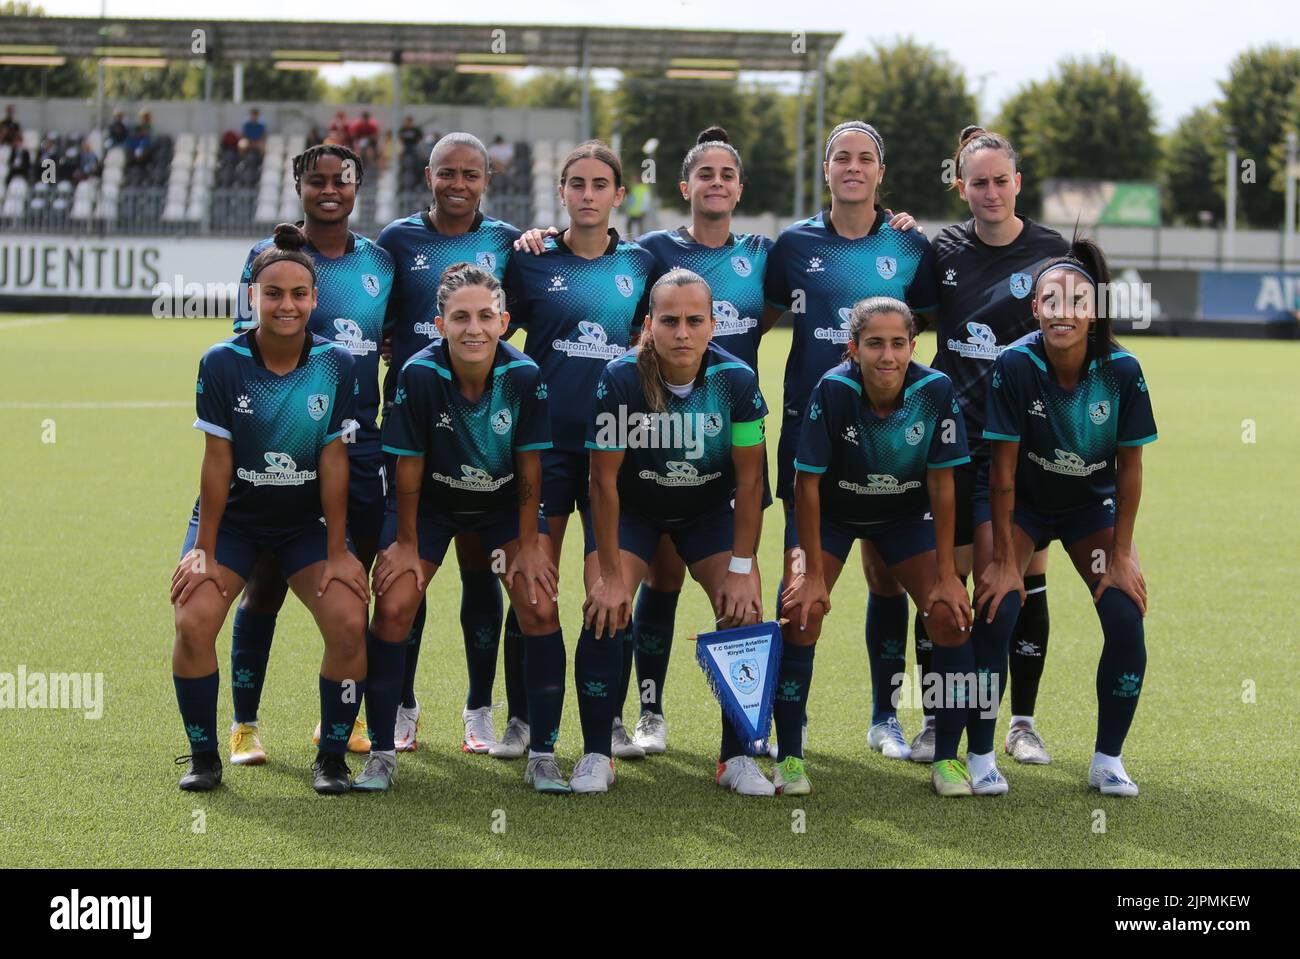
<point x="1092" y="119"/>
<point x="432" y="85"/>
<point x="71" y="79"/>
<point x="1191" y="169"/>
<point x="765" y="152"/>
<point x="1260" y="104"/>
<point x="916" y="96"/>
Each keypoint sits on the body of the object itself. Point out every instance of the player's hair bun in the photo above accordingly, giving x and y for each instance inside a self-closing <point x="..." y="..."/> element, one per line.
<point x="967" y="132"/>
<point x="289" y="236"/>
<point x="714" y="134"/>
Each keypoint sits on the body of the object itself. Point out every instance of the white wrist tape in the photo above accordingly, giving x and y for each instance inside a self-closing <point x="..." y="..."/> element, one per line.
<point x="742" y="566"/>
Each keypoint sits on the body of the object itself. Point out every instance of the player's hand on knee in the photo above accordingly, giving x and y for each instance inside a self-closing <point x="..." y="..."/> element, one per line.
<point x="193" y="570"/>
<point x="1123" y="574"/>
<point x="950" y="592"/>
<point x="393" y="563"/>
<point x="534" y="564"/>
<point x="347" y="569"/>
<point x="807" y="594"/>
<point x="997" y="581"/>
<point x="607" y="607"/>
<point x="738" y="601"/>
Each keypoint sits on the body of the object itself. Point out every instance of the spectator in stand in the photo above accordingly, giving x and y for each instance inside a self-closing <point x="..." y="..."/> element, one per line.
<point x="117" y="131"/>
<point x="410" y="135"/>
<point x="230" y="140"/>
<point x="9" y="129"/>
<point x="502" y="154"/>
<point x="49" y="157"/>
<point x="139" y="145"/>
<point x="20" y="163"/>
<point x="254" y="131"/>
<point x="365" y="138"/>
<point x="314" y="137"/>
<point x="248" y="165"/>
<point x="338" y="130"/>
<point x="87" y="162"/>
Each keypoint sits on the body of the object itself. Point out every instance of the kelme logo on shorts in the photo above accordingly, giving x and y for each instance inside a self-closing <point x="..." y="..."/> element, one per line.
<point x="317" y="404"/>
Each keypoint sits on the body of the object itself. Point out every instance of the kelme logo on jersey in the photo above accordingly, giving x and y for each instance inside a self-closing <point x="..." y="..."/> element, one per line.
<point x="350" y="337"/>
<point x="1099" y="412"/>
<point x="815" y="265"/>
<point x="592" y="343"/>
<point x="741" y="265"/>
<point x="728" y="321"/>
<point x="915" y="433"/>
<point x="281" y="470"/>
<point x="886" y="266"/>
<point x="370" y="283"/>
<point x="501" y="421"/>
<point x="244" y="404"/>
<point x="421" y="262"/>
<point x="624" y="284"/>
<point x="557" y="284"/>
<point x="981" y="342"/>
<point x="198" y="387"/>
<point x="474" y="480"/>
<point x="836" y="334"/>
<point x="317" y="404"/>
<point x="814" y="411"/>
<point x="679" y="474"/>
<point x="487" y="261"/>
<point x="880" y="483"/>
<point x="1021" y="284"/>
<point x="1067" y="463"/>
<point x="949" y="277"/>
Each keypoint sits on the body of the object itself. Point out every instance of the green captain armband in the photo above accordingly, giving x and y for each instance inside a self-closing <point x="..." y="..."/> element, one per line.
<point x="748" y="434"/>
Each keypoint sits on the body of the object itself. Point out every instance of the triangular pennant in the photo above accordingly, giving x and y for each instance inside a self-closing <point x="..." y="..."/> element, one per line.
<point x="741" y="667"/>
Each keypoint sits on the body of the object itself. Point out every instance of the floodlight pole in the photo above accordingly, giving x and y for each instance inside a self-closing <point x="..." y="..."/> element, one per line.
<point x="394" y="128"/>
<point x="1288" y="232"/>
<point x="821" y="131"/>
<point x="801" y="146"/>
<point x="1230" y="214"/>
<point x="585" y="71"/>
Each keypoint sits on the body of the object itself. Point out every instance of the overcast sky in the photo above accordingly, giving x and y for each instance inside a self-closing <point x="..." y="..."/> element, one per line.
<point x="1182" y="50"/>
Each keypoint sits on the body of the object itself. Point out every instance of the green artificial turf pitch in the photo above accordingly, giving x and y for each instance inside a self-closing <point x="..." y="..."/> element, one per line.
<point x="91" y="524"/>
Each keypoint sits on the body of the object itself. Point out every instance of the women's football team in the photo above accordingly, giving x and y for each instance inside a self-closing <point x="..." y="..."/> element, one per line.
<point x="1028" y="428"/>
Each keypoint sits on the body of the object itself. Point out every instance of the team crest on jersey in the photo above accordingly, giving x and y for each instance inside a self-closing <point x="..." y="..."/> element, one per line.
<point x="487" y="261"/>
<point x="501" y="422"/>
<point x="886" y="266"/>
<point x="624" y="284"/>
<point x="1099" y="412"/>
<point x="915" y="433"/>
<point x="317" y="404"/>
<point x="370" y="283"/>
<point x="741" y="265"/>
<point x="711" y="424"/>
<point x="1021" y="283"/>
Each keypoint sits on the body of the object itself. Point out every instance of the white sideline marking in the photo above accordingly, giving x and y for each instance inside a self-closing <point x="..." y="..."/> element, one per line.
<point x="122" y="405"/>
<point x="31" y="321"/>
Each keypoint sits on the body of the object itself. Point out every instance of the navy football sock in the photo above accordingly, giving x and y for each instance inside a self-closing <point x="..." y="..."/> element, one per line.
<point x="989" y="642"/>
<point x="652" y="632"/>
<point x="1121" y="669"/>
<point x="954" y="666"/>
<point x="386" y="663"/>
<point x="339" y="705"/>
<point x="413" y="655"/>
<point x="597" y="665"/>
<point x="886" y="650"/>
<point x="1029" y="647"/>
<point x="791" y="699"/>
<point x="250" y="648"/>
<point x="924" y="656"/>
<point x="197" y="700"/>
<point x="513" y="662"/>
<point x="480" y="623"/>
<point x="544" y="667"/>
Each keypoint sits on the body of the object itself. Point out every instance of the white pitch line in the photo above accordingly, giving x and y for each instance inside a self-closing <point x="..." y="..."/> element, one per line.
<point x="122" y="405"/>
<point x="31" y="321"/>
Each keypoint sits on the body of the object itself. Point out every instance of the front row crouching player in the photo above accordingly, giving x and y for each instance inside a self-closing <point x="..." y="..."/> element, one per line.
<point x="468" y="421"/>
<point x="1068" y="415"/>
<point x="275" y="403"/>
<point x="677" y="449"/>
<point x="877" y="447"/>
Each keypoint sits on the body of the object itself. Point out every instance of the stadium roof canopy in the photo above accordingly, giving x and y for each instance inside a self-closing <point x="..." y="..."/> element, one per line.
<point x="456" y="45"/>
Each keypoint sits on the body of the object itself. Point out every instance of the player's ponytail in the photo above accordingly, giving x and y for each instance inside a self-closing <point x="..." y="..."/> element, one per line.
<point x="710" y="138"/>
<point x="864" y="310"/>
<point x="970" y="141"/>
<point x="647" y="360"/>
<point x="287" y="243"/>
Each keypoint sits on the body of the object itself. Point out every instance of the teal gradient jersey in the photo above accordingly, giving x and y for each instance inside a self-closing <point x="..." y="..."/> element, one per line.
<point x="420" y="253"/>
<point x="579" y="315"/>
<point x="277" y="425"/>
<point x="677" y="464"/>
<point x="468" y="447"/>
<point x="734" y="273"/>
<point x="1068" y="438"/>
<point x="352" y="293"/>
<point x="874" y="469"/>
<point x="813" y="267"/>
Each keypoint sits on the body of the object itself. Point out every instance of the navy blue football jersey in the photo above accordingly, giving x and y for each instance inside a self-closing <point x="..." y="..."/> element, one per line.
<point x="277" y="426"/>
<point x="1068" y="438"/>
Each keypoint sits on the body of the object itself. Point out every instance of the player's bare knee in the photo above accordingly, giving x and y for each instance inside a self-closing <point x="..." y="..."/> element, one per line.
<point x="942" y="628"/>
<point x="539" y="620"/>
